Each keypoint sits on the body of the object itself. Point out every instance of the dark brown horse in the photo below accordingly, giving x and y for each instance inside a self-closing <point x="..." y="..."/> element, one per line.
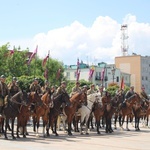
<point x="110" y="106"/>
<point x="55" y="111"/>
<point x="43" y="110"/>
<point x="76" y="100"/>
<point x="98" y="111"/>
<point x="12" y="109"/>
<point x="25" y="113"/>
<point x="127" y="110"/>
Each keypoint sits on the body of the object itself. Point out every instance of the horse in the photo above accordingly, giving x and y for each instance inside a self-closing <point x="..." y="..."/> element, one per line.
<point x="98" y="111"/>
<point x="138" y="111"/>
<point x="86" y="110"/>
<point x="25" y="113"/>
<point x="127" y="110"/>
<point x="12" y="109"/>
<point x="69" y="111"/>
<point x="43" y="111"/>
<point x="55" y="111"/>
<point x="110" y="105"/>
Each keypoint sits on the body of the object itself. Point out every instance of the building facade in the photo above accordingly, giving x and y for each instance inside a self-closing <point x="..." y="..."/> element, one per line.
<point x="139" y="68"/>
<point x="103" y="74"/>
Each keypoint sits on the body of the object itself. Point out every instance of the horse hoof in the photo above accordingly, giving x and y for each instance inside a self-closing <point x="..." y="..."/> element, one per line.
<point x="27" y="133"/>
<point x="87" y="133"/>
<point x="128" y="129"/>
<point x="56" y="134"/>
<point x="81" y="133"/>
<point x="98" y="132"/>
<point x="69" y="134"/>
<point x="14" y="138"/>
<point x="24" y="136"/>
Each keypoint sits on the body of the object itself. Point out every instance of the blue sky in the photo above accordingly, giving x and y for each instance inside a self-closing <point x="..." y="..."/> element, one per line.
<point x="26" y="19"/>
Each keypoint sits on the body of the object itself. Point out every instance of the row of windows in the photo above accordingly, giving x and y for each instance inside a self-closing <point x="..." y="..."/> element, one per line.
<point x="144" y="78"/>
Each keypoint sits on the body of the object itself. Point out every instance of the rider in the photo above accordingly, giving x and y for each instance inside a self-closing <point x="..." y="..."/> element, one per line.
<point x="46" y="87"/>
<point x="35" y="87"/>
<point x="129" y="93"/>
<point x="143" y="94"/>
<point x="13" y="87"/>
<point x="91" y="90"/>
<point x="3" y="92"/>
<point x="76" y="88"/>
<point x="62" y="88"/>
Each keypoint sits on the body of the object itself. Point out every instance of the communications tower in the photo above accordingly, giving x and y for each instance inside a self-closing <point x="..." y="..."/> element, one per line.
<point x="124" y="39"/>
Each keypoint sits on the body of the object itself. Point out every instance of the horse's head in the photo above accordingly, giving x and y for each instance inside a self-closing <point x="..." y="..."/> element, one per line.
<point x="66" y="98"/>
<point x="34" y="97"/>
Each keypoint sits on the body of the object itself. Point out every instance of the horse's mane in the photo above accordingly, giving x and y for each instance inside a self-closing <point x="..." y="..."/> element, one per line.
<point x="44" y="96"/>
<point x="74" y="96"/>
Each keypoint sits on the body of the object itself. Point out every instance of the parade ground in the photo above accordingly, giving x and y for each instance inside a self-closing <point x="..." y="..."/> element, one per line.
<point x="118" y="140"/>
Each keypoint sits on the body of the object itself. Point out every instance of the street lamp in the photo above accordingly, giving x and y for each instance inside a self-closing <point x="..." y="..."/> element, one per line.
<point x="113" y="73"/>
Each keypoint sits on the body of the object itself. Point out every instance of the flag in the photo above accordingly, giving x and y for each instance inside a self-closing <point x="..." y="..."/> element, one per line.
<point x="78" y="71"/>
<point x="58" y="74"/>
<point x="45" y="60"/>
<point x="102" y="74"/>
<point x="122" y="83"/>
<point x="46" y="74"/>
<point x="33" y="54"/>
<point x="91" y="71"/>
<point x="78" y="75"/>
<point x="11" y="52"/>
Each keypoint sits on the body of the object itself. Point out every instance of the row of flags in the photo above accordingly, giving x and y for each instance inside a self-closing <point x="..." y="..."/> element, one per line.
<point x="91" y="72"/>
<point x="11" y="52"/>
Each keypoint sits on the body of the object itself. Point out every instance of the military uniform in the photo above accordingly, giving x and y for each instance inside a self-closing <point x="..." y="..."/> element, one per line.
<point x="13" y="89"/>
<point x="144" y="95"/>
<point x="60" y="90"/>
<point x="45" y="89"/>
<point x="76" y="89"/>
<point x="3" y="92"/>
<point x="35" y="87"/>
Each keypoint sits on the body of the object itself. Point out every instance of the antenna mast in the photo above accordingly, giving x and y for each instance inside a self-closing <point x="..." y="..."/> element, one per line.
<point x="124" y="39"/>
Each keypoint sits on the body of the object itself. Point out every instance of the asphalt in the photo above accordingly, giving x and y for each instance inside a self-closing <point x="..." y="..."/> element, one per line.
<point x="118" y="140"/>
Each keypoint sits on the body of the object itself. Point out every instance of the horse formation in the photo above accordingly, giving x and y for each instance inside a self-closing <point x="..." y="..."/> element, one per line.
<point x="79" y="109"/>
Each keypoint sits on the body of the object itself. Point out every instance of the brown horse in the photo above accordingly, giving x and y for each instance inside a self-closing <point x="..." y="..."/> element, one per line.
<point x="110" y="105"/>
<point x="43" y="111"/>
<point x="25" y="113"/>
<point x="127" y="110"/>
<point x="12" y="109"/>
<point x="138" y="111"/>
<point x="55" y="111"/>
<point x="98" y="111"/>
<point x="76" y="100"/>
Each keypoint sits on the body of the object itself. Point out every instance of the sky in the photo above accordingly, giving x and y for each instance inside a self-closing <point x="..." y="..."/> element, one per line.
<point x="70" y="29"/>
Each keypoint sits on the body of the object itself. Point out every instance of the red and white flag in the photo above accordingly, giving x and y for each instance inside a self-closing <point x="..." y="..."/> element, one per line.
<point x="33" y="54"/>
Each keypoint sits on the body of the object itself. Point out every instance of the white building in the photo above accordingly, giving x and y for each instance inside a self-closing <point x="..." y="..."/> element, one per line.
<point x="111" y="74"/>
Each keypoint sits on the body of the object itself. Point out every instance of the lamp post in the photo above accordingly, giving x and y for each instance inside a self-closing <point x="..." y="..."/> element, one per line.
<point x="113" y="73"/>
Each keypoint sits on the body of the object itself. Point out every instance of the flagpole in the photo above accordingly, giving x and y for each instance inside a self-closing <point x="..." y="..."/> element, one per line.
<point x="48" y="66"/>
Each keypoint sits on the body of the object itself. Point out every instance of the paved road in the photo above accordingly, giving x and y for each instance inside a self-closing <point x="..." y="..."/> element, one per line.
<point x="118" y="140"/>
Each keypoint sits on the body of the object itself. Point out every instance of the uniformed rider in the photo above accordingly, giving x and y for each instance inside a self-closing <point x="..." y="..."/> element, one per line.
<point x="91" y="90"/>
<point x="3" y="92"/>
<point x="13" y="87"/>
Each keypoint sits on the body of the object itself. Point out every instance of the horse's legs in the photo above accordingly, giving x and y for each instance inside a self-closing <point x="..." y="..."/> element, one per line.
<point x="6" y="126"/>
<point x="34" y="123"/>
<point x="127" y="123"/>
<point x="115" y="121"/>
<point x="12" y="127"/>
<point x="97" y="119"/>
<point x="55" y="127"/>
<point x="18" y="125"/>
<point x="38" y="123"/>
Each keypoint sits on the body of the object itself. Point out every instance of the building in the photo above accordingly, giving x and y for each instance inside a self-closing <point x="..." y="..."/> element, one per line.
<point x="103" y="74"/>
<point x="139" y="68"/>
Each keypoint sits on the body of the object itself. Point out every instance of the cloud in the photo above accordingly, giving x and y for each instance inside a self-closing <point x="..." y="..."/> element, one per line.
<point x="99" y="42"/>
